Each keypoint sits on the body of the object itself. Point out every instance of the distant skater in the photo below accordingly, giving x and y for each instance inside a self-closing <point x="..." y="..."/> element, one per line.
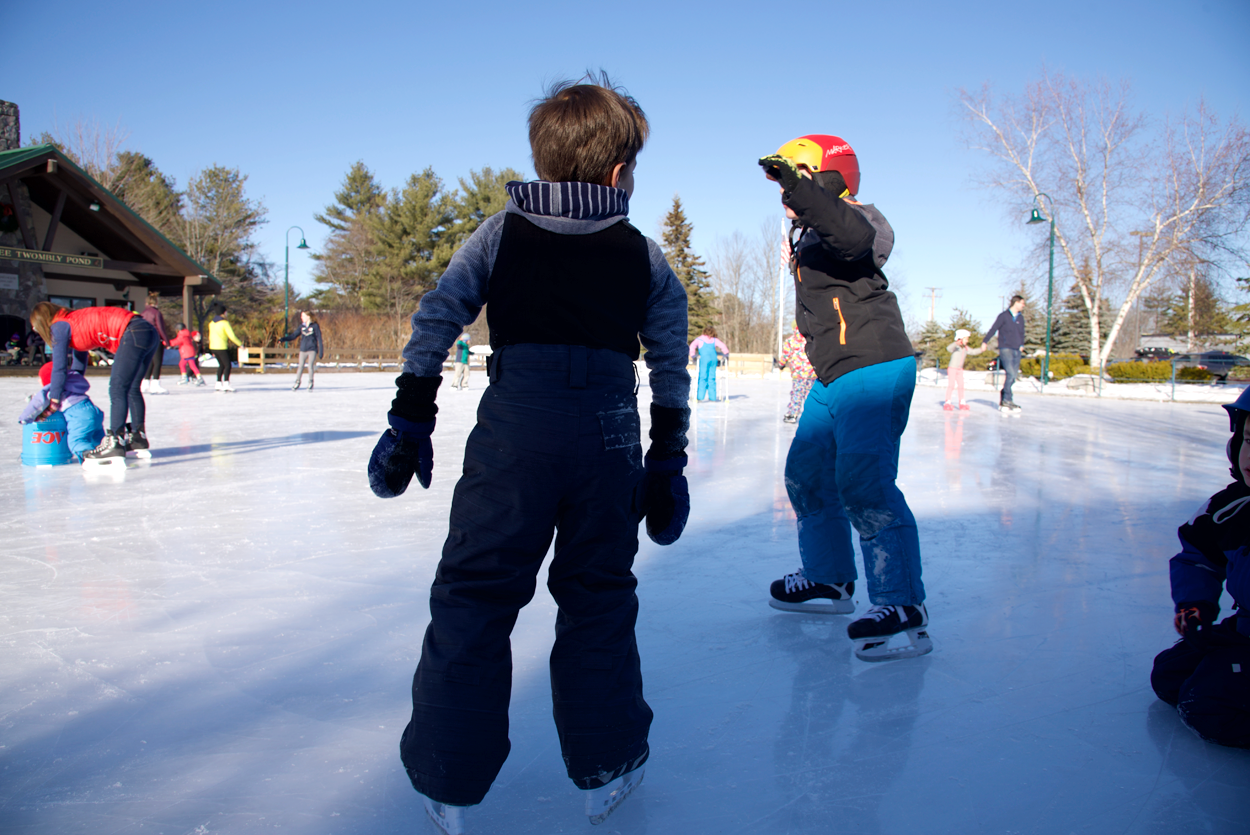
<point x="311" y="348"/>
<point x="152" y="313"/>
<point x="188" y="344"/>
<point x="802" y="375"/>
<point x="959" y="351"/>
<point x="1010" y="329"/>
<point x="1206" y="674"/>
<point x="220" y="335"/>
<point x="843" y="461"/>
<point x="460" y="363"/>
<point x="70" y="334"/>
<point x="709" y="350"/>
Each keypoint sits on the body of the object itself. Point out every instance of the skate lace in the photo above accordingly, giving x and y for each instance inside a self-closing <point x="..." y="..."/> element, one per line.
<point x="879" y="613"/>
<point x="797" y="582"/>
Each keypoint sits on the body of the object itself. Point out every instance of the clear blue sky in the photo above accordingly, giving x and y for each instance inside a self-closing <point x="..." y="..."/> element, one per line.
<point x="293" y="94"/>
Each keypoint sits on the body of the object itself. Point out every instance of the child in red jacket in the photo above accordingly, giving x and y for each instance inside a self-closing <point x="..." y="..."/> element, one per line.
<point x="188" y="344"/>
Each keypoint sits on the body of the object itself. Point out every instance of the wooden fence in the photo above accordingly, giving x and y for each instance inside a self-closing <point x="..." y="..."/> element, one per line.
<point x="287" y="358"/>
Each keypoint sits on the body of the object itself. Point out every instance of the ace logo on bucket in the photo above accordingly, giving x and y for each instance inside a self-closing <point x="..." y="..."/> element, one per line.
<point x="46" y="437"/>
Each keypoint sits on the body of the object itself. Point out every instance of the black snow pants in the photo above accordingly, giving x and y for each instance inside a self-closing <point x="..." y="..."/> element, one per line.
<point x="556" y="450"/>
<point x="1207" y="680"/>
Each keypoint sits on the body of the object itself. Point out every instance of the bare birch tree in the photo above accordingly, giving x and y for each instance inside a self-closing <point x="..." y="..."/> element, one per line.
<point x="1110" y="173"/>
<point x="744" y="280"/>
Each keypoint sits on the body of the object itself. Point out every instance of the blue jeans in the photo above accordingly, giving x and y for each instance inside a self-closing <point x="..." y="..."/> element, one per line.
<point x="130" y="363"/>
<point x="1009" y="360"/>
<point x="840" y="472"/>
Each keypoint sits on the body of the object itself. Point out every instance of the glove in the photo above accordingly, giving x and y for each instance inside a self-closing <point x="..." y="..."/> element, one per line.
<point x="782" y="169"/>
<point x="53" y="406"/>
<point x="665" y="493"/>
<point x="665" y="499"/>
<point x="1194" y="618"/>
<point x="403" y="451"/>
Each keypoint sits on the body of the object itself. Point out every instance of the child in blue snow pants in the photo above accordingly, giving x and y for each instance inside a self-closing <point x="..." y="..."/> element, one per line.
<point x="523" y="481"/>
<point x="707" y="371"/>
<point x="840" y="473"/>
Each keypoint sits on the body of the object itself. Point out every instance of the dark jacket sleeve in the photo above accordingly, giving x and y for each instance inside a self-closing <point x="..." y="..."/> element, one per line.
<point x="994" y="328"/>
<point x="321" y="350"/>
<point x="1198" y="572"/>
<point x="842" y="230"/>
<point x="62" y="350"/>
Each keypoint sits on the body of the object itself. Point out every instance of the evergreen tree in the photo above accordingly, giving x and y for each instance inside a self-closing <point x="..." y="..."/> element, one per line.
<point x="414" y="242"/>
<point x="932" y="342"/>
<point x="140" y="185"/>
<point x="1070" y="328"/>
<point x="351" y="254"/>
<point x="482" y="196"/>
<point x="689" y="269"/>
<point x="1210" y="317"/>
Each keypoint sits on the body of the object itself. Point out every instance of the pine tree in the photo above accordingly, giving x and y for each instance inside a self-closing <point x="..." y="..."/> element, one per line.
<point x="932" y="343"/>
<point x="350" y="255"/>
<point x="482" y="196"/>
<point x="689" y="269"/>
<point x="414" y="239"/>
<point x="359" y="195"/>
<point x="1210" y="317"/>
<point x="1070" y="326"/>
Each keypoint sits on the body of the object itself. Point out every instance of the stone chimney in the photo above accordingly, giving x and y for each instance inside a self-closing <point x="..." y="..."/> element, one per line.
<point x="10" y="127"/>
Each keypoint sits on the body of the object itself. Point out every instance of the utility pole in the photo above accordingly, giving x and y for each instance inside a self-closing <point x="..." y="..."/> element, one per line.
<point x="933" y="297"/>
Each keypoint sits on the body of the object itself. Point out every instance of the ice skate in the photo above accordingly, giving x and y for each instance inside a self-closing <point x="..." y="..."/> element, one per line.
<point x="964" y="407"/>
<point x="791" y="418"/>
<point x="310" y="385"/>
<point x="136" y="443"/>
<point x="143" y="387"/>
<point x="110" y="453"/>
<point x="296" y="386"/>
<point x="225" y="386"/>
<point x="872" y="633"/>
<point x="948" y="406"/>
<point x="199" y="381"/>
<point x="184" y="380"/>
<point x="447" y="818"/>
<point x="796" y="593"/>
<point x="157" y="388"/>
<point x="217" y="386"/>
<point x="603" y="801"/>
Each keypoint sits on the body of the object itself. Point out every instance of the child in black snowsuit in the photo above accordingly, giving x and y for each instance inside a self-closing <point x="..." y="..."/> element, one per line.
<point x="1206" y="674"/>
<point x="572" y="287"/>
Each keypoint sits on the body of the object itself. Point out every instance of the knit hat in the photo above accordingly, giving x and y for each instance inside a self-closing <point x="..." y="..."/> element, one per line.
<point x="45" y="373"/>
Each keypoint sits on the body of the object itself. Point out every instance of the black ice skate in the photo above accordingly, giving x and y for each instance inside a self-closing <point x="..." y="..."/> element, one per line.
<point x="873" y="631"/>
<point x="449" y="819"/>
<point x="110" y="452"/>
<point x="136" y="443"/>
<point x="796" y="593"/>
<point x="603" y="801"/>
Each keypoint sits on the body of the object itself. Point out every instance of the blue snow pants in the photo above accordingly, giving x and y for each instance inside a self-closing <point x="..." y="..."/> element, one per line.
<point x="707" y="371"/>
<point x="840" y="472"/>
<point x="84" y="425"/>
<point x="556" y="451"/>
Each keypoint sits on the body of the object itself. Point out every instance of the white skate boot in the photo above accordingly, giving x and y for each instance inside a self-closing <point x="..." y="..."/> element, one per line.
<point x="603" y="801"/>
<point x="795" y="593"/>
<point x="225" y="386"/>
<point x="448" y="818"/>
<point x="872" y="633"/>
<point x="157" y="388"/>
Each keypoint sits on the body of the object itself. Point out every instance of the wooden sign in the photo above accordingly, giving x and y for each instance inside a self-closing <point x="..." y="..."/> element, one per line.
<point x="52" y="258"/>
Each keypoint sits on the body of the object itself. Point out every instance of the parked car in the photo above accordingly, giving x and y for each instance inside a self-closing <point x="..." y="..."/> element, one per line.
<point x="1219" y="363"/>
<point x="1152" y="354"/>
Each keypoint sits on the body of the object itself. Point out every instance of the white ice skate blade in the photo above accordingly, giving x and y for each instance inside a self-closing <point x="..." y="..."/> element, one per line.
<point x="115" y="461"/>
<point x="139" y="453"/>
<point x="603" y="801"/>
<point x="822" y="606"/>
<point x="883" y="649"/>
<point x="449" y="819"/>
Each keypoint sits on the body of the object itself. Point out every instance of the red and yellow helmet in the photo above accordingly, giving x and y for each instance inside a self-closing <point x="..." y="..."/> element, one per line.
<point x="821" y="152"/>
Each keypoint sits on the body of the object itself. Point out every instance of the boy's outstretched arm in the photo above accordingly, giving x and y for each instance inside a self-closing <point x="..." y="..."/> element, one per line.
<point x="666" y="495"/>
<point x="405" y="449"/>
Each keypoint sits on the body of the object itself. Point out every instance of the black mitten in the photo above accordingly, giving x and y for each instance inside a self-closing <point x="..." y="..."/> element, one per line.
<point x="665" y="493"/>
<point x="405" y="449"/>
<point x="782" y="169"/>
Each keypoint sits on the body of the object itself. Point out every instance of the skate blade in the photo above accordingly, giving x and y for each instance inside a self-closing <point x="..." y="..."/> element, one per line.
<point x="824" y="607"/>
<point x="879" y="649"/>
<point x="449" y="819"/>
<point x="139" y="453"/>
<point x="118" y="462"/>
<point x="603" y="801"/>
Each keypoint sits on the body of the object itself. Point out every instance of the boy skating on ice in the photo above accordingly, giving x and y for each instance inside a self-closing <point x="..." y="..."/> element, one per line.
<point x="842" y="464"/>
<point x="572" y="287"/>
<point x="1206" y="675"/>
<point x="959" y="352"/>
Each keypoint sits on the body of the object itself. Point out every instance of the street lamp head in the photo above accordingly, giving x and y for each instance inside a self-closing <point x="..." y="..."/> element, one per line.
<point x="1036" y="217"/>
<point x="302" y="244"/>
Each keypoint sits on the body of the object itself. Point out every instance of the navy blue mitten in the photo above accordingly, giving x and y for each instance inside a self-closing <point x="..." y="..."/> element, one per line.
<point x="665" y="493"/>
<point x="405" y="449"/>
<point x="665" y="499"/>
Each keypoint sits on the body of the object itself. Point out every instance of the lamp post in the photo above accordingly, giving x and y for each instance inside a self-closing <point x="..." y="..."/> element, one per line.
<point x="286" y="278"/>
<point x="1036" y="217"/>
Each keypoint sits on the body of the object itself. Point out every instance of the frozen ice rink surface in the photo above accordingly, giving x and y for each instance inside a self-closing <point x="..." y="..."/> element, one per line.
<point x="224" y="640"/>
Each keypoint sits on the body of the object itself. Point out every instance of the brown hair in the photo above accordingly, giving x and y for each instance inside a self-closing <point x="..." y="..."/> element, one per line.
<point x="580" y="131"/>
<point x="312" y="317"/>
<point x="154" y="298"/>
<point x="709" y="331"/>
<point x="42" y="317"/>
